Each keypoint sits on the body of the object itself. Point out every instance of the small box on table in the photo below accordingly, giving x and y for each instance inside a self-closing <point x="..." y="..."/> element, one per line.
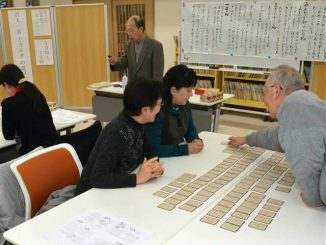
<point x="211" y="95"/>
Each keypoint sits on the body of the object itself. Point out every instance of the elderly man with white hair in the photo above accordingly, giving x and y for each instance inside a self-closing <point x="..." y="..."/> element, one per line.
<point x="301" y="133"/>
<point x="143" y="56"/>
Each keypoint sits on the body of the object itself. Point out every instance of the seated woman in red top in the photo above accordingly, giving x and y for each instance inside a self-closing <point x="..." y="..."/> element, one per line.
<point x="26" y="116"/>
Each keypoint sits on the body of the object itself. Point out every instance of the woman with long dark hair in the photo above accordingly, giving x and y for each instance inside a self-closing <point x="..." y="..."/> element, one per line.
<point x="26" y="116"/>
<point x="173" y="133"/>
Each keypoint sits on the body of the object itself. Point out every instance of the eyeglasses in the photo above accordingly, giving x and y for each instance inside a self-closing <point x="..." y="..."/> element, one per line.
<point x="160" y="104"/>
<point x="131" y="30"/>
<point x="262" y="89"/>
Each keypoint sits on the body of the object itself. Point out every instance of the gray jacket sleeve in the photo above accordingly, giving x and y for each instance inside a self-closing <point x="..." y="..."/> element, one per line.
<point x="57" y="197"/>
<point x="158" y="62"/>
<point x="302" y="139"/>
<point x="266" y="138"/>
<point x="12" y="205"/>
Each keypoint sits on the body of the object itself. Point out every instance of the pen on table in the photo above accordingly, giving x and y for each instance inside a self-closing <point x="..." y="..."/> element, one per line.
<point x="117" y="85"/>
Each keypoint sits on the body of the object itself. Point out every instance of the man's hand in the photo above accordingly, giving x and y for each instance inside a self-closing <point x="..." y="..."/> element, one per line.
<point x="195" y="146"/>
<point x="113" y="60"/>
<point x="237" y="141"/>
<point x="149" y="169"/>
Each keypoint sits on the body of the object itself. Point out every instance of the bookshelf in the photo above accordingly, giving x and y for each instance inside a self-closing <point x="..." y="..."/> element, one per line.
<point x="318" y="78"/>
<point x="208" y="76"/>
<point x="247" y="86"/>
<point x="246" y="83"/>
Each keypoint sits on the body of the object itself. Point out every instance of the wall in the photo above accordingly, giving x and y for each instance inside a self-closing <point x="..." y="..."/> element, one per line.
<point x="55" y="2"/>
<point x="19" y="3"/>
<point x="22" y="3"/>
<point x="167" y="24"/>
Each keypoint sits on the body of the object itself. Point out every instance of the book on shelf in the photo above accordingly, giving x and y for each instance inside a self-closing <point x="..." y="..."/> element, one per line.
<point x="244" y="91"/>
<point x="203" y="83"/>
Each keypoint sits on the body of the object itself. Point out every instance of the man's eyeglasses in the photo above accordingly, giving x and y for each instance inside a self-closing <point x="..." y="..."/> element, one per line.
<point x="262" y="89"/>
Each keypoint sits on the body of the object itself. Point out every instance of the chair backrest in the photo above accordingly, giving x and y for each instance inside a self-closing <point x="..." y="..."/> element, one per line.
<point x="45" y="171"/>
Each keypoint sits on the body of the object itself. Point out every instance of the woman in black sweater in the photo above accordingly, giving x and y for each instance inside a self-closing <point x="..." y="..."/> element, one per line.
<point x="122" y="145"/>
<point x="26" y="116"/>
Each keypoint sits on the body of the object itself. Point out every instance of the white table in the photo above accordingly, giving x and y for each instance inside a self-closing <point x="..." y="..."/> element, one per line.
<point x="71" y="119"/>
<point x="213" y="108"/>
<point x="107" y="103"/>
<point x="295" y="224"/>
<point x="5" y="143"/>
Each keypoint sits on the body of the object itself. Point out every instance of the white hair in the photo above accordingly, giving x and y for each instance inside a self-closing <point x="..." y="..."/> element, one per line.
<point x="287" y="77"/>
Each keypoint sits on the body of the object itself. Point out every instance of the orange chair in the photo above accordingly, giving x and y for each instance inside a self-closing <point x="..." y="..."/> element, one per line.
<point x="45" y="171"/>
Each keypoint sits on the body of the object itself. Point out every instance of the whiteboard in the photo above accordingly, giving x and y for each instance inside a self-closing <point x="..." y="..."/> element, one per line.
<point x="253" y="33"/>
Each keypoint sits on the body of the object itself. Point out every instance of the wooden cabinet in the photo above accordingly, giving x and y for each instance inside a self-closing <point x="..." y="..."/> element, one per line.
<point x="318" y="85"/>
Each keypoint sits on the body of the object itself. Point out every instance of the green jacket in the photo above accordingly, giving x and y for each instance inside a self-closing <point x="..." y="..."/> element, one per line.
<point x="172" y="129"/>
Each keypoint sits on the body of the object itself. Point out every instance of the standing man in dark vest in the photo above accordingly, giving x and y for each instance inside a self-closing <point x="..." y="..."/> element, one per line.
<point x="143" y="56"/>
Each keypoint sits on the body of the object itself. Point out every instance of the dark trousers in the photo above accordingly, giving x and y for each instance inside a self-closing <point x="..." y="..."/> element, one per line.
<point x="83" y="141"/>
<point x="8" y="153"/>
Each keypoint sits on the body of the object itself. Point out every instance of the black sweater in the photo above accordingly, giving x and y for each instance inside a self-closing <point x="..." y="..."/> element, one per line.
<point x="30" y="129"/>
<point x="119" y="150"/>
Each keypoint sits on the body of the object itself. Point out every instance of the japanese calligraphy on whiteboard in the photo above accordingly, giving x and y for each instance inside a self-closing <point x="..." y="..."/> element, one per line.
<point x="19" y="41"/>
<point x="43" y="52"/>
<point x="276" y="29"/>
<point x="41" y="22"/>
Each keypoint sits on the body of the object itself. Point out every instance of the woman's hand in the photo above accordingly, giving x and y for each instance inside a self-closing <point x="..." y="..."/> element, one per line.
<point x="149" y="169"/>
<point x="195" y="146"/>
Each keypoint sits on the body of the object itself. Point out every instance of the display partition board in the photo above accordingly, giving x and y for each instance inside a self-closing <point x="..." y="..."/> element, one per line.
<point x="29" y="44"/>
<point x="253" y="33"/>
<point x="62" y="49"/>
<point x="81" y="31"/>
<point x="1" y="58"/>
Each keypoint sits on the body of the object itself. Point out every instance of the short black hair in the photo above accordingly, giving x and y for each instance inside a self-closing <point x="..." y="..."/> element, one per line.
<point x="179" y="76"/>
<point x="141" y="93"/>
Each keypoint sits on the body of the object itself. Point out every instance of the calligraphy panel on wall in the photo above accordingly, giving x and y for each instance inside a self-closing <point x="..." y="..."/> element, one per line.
<point x="29" y="44"/>
<point x="253" y="33"/>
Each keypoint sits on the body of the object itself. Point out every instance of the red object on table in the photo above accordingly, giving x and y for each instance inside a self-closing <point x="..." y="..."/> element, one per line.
<point x="199" y="91"/>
